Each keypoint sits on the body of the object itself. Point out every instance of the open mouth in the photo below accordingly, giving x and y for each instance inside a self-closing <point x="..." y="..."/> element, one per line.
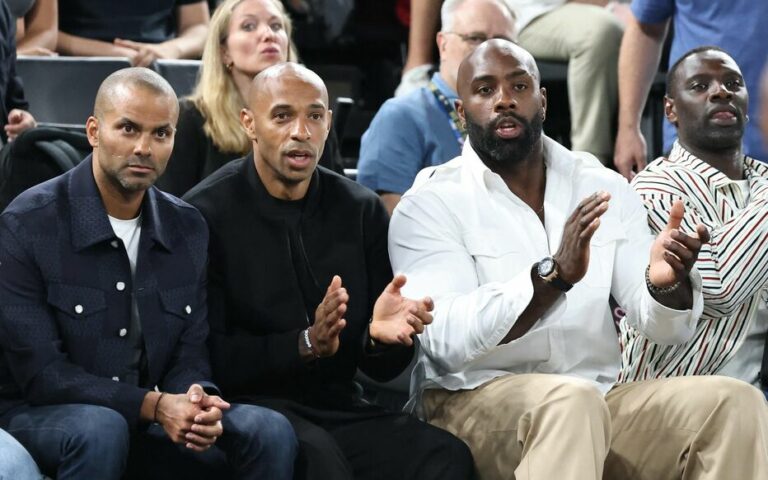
<point x="299" y="158"/>
<point x="508" y="128"/>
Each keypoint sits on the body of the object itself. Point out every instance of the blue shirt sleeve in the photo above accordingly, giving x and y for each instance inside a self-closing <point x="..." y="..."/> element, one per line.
<point x="392" y="149"/>
<point x="653" y="11"/>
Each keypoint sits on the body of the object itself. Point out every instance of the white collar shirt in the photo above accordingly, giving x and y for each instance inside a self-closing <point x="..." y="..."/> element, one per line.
<point x="461" y="236"/>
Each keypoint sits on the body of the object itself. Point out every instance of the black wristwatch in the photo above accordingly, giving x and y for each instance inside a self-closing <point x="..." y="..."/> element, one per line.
<point x="547" y="270"/>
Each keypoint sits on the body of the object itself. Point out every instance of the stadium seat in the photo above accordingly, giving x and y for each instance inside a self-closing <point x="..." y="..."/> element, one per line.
<point x="181" y="74"/>
<point x="61" y="90"/>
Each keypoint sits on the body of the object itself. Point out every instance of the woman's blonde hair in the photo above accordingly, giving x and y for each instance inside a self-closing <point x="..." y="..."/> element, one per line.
<point x="216" y="96"/>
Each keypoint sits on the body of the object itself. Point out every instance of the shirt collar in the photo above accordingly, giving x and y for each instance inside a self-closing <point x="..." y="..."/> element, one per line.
<point x="443" y="87"/>
<point x="90" y="224"/>
<point x="558" y="160"/>
<point x="753" y="169"/>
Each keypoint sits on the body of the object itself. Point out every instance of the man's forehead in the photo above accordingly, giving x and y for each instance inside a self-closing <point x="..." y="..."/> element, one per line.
<point x="708" y="60"/>
<point x="138" y="109"/>
<point x="291" y="90"/>
<point x="500" y="61"/>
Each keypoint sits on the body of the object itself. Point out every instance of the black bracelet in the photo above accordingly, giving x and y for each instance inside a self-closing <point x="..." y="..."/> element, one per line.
<point x="157" y="404"/>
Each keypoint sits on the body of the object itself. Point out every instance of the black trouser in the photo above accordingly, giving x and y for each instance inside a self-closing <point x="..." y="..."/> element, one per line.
<point x="385" y="446"/>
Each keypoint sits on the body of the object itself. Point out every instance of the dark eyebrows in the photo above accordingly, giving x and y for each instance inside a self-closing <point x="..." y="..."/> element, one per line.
<point x="286" y="106"/>
<point x="122" y="121"/>
<point x="513" y="74"/>
<point x="518" y="73"/>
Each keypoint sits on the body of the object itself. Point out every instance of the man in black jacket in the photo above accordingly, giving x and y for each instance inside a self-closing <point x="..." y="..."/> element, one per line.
<point x="298" y="264"/>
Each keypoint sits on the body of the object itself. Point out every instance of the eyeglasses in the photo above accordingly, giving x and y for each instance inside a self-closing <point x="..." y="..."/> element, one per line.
<point x="475" y="38"/>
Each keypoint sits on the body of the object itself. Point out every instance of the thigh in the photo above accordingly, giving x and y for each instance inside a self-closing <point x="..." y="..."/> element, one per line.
<point x="531" y="416"/>
<point x="657" y="423"/>
<point x="50" y="432"/>
<point x="400" y="446"/>
<point x="560" y="34"/>
<point x="319" y="456"/>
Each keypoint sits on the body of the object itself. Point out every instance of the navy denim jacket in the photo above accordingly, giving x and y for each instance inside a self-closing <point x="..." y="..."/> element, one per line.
<point x="62" y="311"/>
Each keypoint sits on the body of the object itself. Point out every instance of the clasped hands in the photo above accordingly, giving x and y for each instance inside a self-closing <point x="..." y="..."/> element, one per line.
<point x="192" y="418"/>
<point x="673" y="253"/>
<point x="396" y="319"/>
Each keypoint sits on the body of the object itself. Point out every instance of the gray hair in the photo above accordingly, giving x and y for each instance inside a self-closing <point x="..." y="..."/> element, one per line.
<point x="449" y="8"/>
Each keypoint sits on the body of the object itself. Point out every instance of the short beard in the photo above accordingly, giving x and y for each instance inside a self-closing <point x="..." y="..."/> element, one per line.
<point x="497" y="152"/>
<point x="715" y="139"/>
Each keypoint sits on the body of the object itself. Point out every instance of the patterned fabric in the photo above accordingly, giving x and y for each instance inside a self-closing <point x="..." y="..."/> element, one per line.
<point x="66" y="290"/>
<point x="733" y="266"/>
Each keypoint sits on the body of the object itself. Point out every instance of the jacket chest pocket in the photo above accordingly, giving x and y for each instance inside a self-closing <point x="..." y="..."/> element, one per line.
<point x="180" y="303"/>
<point x="77" y="307"/>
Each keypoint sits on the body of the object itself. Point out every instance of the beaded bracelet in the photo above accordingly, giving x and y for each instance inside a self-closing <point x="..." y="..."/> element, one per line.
<point x="308" y="343"/>
<point x="658" y="290"/>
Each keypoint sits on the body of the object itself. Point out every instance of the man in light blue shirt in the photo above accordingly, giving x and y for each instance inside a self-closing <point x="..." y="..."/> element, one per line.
<point x="736" y="26"/>
<point x="422" y="129"/>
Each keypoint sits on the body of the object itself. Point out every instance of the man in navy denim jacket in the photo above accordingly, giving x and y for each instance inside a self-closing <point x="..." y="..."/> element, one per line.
<point x="103" y="313"/>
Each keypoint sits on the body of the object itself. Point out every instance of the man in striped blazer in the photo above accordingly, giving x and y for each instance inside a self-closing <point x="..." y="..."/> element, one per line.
<point x="728" y="192"/>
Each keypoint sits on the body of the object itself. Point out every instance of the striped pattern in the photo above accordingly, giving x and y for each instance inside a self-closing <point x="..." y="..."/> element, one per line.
<point x="733" y="266"/>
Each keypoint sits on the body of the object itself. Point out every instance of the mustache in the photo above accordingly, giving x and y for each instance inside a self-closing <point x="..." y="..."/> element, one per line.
<point x="140" y="162"/>
<point x="507" y="115"/>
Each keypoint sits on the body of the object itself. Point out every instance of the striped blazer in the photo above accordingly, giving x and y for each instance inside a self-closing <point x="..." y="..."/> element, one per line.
<point x="733" y="266"/>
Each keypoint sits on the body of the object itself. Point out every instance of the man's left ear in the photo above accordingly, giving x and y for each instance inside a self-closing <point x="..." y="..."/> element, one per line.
<point x="543" y="103"/>
<point x="330" y="121"/>
<point x="669" y="110"/>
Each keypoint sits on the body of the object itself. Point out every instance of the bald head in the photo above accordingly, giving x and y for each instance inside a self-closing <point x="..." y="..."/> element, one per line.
<point x="489" y="53"/>
<point x="118" y="86"/>
<point x="278" y="74"/>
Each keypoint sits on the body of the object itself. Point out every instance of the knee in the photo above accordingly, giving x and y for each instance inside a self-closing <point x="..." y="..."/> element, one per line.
<point x="263" y="429"/>
<point x="456" y="453"/>
<point x="602" y="40"/>
<point x="15" y="461"/>
<point x="720" y="392"/>
<point x="575" y="395"/>
<point x="100" y="429"/>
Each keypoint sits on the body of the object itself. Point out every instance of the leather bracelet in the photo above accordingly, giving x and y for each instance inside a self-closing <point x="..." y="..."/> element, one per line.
<point x="658" y="290"/>
<point x="308" y="343"/>
<point x="157" y="405"/>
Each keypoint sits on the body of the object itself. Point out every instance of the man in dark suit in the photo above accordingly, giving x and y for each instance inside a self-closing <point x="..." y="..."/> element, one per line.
<point x="103" y="312"/>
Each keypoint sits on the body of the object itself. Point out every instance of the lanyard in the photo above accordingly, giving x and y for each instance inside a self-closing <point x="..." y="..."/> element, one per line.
<point x="453" y="117"/>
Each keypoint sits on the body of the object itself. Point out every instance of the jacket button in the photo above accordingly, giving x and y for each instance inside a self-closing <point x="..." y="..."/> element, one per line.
<point x="78" y="309"/>
<point x="123" y="332"/>
<point x="120" y="286"/>
<point x="117" y="379"/>
<point x="188" y="309"/>
<point x="114" y="244"/>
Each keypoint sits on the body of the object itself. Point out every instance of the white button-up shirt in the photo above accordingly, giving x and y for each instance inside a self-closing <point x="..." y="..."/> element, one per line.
<point x="461" y="236"/>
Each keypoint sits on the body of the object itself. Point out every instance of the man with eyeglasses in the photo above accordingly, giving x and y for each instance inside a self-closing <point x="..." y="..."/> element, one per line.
<point x="422" y="129"/>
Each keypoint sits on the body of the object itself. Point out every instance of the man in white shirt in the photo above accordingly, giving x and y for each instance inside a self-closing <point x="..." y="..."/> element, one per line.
<point x="707" y="102"/>
<point x="522" y="372"/>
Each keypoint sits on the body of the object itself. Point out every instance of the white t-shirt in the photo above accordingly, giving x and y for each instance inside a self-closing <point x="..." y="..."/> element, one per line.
<point x="129" y="231"/>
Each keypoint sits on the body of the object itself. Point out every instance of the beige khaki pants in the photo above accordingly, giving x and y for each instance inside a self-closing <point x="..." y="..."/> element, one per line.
<point x="554" y="427"/>
<point x="588" y="38"/>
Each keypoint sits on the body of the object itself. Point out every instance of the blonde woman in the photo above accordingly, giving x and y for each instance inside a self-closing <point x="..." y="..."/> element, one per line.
<point x="244" y="38"/>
